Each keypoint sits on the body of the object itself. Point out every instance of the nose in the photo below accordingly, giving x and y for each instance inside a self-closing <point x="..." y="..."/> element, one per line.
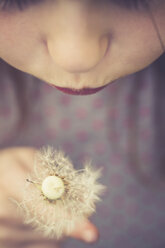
<point x="77" y="51"/>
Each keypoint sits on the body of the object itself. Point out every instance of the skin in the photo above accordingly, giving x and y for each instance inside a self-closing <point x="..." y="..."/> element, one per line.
<point x="75" y="44"/>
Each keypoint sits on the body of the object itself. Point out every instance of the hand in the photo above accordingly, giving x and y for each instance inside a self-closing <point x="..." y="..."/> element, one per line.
<point x="15" y="164"/>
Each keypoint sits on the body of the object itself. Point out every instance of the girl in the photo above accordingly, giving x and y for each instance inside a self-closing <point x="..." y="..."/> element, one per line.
<point x="80" y="47"/>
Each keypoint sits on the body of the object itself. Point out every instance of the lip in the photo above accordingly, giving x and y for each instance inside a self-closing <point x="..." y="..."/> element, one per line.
<point x="84" y="91"/>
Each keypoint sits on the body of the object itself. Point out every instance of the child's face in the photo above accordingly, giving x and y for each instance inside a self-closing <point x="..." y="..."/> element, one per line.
<point x="79" y="43"/>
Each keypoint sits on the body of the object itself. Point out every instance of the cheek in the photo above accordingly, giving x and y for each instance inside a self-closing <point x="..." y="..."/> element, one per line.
<point x="18" y="41"/>
<point x="138" y="43"/>
<point x="145" y="47"/>
<point x="134" y="47"/>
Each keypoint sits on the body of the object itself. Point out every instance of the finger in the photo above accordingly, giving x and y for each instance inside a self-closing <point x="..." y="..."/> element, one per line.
<point x="86" y="232"/>
<point x="41" y="246"/>
<point x="16" y="235"/>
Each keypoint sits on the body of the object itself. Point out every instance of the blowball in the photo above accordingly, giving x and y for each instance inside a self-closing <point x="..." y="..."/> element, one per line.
<point x="57" y="196"/>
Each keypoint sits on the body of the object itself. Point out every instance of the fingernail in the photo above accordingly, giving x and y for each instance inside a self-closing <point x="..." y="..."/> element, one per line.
<point x="89" y="236"/>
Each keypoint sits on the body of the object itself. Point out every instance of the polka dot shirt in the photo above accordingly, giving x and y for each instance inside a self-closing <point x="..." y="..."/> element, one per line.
<point x="114" y="128"/>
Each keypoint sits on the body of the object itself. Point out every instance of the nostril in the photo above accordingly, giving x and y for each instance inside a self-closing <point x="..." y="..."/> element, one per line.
<point x="105" y="44"/>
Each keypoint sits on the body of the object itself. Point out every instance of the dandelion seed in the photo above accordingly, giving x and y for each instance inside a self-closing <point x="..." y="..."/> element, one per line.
<point x="57" y="196"/>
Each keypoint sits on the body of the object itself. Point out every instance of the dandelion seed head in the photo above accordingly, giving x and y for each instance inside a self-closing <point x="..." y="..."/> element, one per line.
<point x="59" y="196"/>
<point x="53" y="187"/>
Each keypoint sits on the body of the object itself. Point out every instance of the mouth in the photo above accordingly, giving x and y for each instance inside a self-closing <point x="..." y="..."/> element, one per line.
<point x="84" y="91"/>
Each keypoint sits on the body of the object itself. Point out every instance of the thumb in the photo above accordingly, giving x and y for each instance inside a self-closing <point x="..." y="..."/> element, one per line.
<point x="86" y="232"/>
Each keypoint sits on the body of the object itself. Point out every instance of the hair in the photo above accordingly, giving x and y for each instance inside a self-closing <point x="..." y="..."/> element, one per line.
<point x="135" y="4"/>
<point x="154" y="175"/>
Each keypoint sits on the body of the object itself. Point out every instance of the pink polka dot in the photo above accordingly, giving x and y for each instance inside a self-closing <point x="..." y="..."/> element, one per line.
<point x="148" y="199"/>
<point x="83" y="157"/>
<point x="115" y="159"/>
<point x="113" y="114"/>
<point x="81" y="113"/>
<point x="68" y="147"/>
<point x="118" y="201"/>
<point x="116" y="179"/>
<point x="136" y="229"/>
<point x="146" y="157"/>
<point x="39" y="140"/>
<point x="148" y="217"/>
<point x="104" y="210"/>
<point x="65" y="123"/>
<point x="145" y="111"/>
<point x="65" y="100"/>
<point x="82" y="136"/>
<point x="113" y="136"/>
<point x="6" y="136"/>
<point x="145" y="133"/>
<point x="130" y="99"/>
<point x="132" y="191"/>
<point x="151" y="236"/>
<point x="98" y="124"/>
<point x="118" y="221"/>
<point x="100" y="148"/>
<point x="123" y="241"/>
<point x="37" y="118"/>
<point x="51" y="133"/>
<point x="5" y="112"/>
<point x="49" y="111"/>
<point x="107" y="231"/>
<point x="98" y="103"/>
<point x="128" y="123"/>
<point x="132" y="209"/>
